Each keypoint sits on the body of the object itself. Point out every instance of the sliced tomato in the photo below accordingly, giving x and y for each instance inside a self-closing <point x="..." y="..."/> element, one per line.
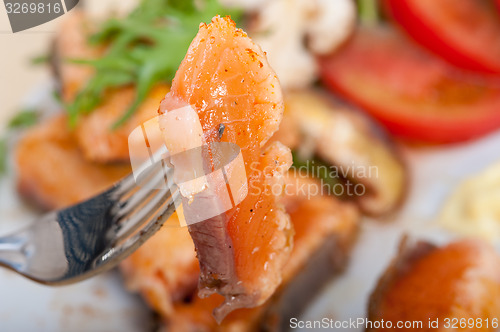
<point x="413" y="93"/>
<point x="464" y="32"/>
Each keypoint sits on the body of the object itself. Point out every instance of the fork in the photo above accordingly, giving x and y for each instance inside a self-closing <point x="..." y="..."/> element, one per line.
<point x="83" y="240"/>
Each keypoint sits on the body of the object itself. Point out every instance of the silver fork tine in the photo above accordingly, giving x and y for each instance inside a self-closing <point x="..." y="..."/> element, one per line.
<point x="129" y="223"/>
<point x="147" y="181"/>
<point x="132" y="200"/>
<point x="152" y="226"/>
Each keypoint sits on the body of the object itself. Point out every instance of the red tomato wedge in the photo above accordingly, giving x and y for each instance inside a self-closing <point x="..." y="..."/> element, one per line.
<point x="414" y="94"/>
<point x="464" y="32"/>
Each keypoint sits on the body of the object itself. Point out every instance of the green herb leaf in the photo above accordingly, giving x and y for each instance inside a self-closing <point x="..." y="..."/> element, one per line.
<point x="368" y="11"/>
<point x="3" y="156"/>
<point x="145" y="49"/>
<point x="320" y="170"/>
<point x="57" y="96"/>
<point x="41" y="59"/>
<point x="23" y="119"/>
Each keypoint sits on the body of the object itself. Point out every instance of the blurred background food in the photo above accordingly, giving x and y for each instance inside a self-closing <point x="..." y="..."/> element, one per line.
<point x="392" y="111"/>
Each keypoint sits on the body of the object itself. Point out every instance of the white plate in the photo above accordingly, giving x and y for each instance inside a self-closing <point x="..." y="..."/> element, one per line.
<point x="102" y="304"/>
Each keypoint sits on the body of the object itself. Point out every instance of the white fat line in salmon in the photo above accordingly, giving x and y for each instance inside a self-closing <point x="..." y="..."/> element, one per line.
<point x="211" y="177"/>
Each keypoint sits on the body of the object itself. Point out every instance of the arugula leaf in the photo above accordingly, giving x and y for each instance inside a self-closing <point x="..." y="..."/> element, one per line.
<point x="144" y="48"/>
<point x="23" y="119"/>
<point x="368" y="11"/>
<point x="41" y="59"/>
<point x="57" y="96"/>
<point x="3" y="156"/>
<point x="318" y="169"/>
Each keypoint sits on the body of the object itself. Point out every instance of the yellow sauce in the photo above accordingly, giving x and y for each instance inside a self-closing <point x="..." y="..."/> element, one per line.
<point x="474" y="208"/>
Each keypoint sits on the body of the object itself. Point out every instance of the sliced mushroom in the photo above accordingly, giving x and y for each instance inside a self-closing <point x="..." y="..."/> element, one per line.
<point x="354" y="147"/>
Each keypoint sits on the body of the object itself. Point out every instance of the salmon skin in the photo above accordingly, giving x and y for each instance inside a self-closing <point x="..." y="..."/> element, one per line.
<point x="226" y="78"/>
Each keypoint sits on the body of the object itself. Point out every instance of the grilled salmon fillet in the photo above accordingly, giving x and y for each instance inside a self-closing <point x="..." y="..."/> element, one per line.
<point x="226" y="78"/>
<point x="71" y="42"/>
<point x="51" y="170"/>
<point x="164" y="270"/>
<point x="94" y="133"/>
<point x="460" y="280"/>
<point x="325" y="230"/>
